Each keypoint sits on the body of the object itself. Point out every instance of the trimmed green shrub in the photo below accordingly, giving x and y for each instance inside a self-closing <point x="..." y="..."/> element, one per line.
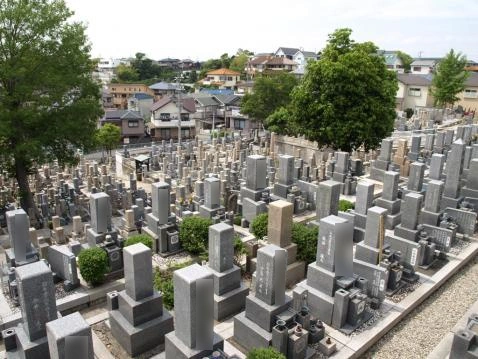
<point x="345" y="205"/>
<point x="140" y="238"/>
<point x="265" y="353"/>
<point x="237" y="220"/>
<point x="163" y="281"/>
<point x="193" y="234"/>
<point x="306" y="239"/>
<point x="239" y="250"/>
<point x="259" y="225"/>
<point x="93" y="263"/>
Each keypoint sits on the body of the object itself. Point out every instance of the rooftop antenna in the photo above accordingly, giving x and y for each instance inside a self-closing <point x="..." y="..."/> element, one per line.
<point x="420" y="54"/>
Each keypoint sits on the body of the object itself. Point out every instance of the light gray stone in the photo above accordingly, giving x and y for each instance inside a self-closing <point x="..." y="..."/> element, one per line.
<point x="138" y="271"/>
<point x="270" y="274"/>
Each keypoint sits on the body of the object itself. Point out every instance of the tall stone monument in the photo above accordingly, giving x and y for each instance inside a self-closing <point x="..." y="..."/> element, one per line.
<point x="138" y="320"/>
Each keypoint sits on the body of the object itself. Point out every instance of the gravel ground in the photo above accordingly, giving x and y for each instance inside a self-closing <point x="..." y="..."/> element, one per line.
<point x="417" y="335"/>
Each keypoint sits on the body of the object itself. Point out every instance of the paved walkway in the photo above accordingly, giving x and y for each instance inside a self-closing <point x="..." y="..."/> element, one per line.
<point x="423" y="329"/>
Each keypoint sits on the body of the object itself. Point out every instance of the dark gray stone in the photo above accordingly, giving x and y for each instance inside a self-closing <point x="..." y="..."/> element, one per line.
<point x="328" y="194"/>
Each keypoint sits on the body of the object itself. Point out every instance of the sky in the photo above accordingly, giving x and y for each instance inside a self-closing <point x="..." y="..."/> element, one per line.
<point x="200" y="30"/>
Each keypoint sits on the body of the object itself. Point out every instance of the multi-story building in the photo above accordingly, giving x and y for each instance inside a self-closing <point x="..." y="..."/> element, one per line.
<point x="222" y="78"/>
<point x="130" y="122"/>
<point x="121" y="92"/>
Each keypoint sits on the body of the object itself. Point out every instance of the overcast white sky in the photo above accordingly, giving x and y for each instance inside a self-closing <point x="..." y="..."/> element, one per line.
<point x="205" y="29"/>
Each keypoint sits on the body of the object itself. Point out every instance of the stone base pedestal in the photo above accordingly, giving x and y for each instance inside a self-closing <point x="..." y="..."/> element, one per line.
<point x="230" y="303"/>
<point x="176" y="349"/>
<point x="449" y="202"/>
<point x="136" y="340"/>
<point x="402" y="232"/>
<point x="249" y="335"/>
<point x="430" y="218"/>
<point x="27" y="349"/>
<point x="320" y="305"/>
<point x="392" y="220"/>
<point x="295" y="272"/>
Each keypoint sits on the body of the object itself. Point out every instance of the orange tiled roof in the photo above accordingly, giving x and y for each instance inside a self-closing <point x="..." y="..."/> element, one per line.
<point x="223" y="72"/>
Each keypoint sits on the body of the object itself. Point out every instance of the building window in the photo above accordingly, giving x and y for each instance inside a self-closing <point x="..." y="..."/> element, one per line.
<point x="185" y="133"/>
<point x="185" y="117"/>
<point x="133" y="123"/>
<point x="165" y="133"/>
<point x="165" y="116"/>
<point x="239" y="124"/>
<point x="113" y="89"/>
<point x="414" y="91"/>
<point x="417" y="69"/>
<point x="469" y="93"/>
<point x="229" y="78"/>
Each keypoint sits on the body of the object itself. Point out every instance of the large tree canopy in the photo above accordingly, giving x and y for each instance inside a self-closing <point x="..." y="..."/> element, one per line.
<point x="449" y="79"/>
<point x="347" y="98"/>
<point x="268" y="95"/>
<point x="49" y="104"/>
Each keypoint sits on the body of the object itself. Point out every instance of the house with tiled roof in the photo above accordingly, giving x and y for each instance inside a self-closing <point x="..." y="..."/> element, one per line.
<point x="302" y="57"/>
<point x="222" y="78"/>
<point x="469" y="97"/>
<point x="164" y="124"/>
<point x="413" y="91"/>
<point x="392" y="60"/>
<point x="131" y="123"/>
<point x="424" y="66"/>
<point x="287" y="52"/>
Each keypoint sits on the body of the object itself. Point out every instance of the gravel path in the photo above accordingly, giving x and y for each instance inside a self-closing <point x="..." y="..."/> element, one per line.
<point x="417" y="335"/>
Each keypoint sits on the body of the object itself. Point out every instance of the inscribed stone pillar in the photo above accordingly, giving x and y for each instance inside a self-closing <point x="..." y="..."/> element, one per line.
<point x="279" y="229"/>
<point x="18" y="230"/>
<point x="328" y="194"/>
<point x="160" y="201"/>
<point x="364" y="196"/>
<point x="221" y="247"/>
<point x="138" y="271"/>
<point x="270" y="274"/>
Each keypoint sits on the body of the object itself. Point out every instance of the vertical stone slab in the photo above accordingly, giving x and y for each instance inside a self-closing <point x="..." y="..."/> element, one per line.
<point x="270" y="274"/>
<point x="454" y="167"/>
<point x="221" y="247"/>
<point x="286" y="170"/>
<point x="411" y="210"/>
<point x="70" y="337"/>
<point x="415" y="179"/>
<point x="18" y="230"/>
<point x="433" y="196"/>
<point x="212" y="187"/>
<point x="37" y="298"/>
<point x="138" y="271"/>
<point x="375" y="226"/>
<point x="328" y="194"/>
<point x="342" y="162"/>
<point x="100" y="212"/>
<point x="160" y="198"/>
<point x="390" y="185"/>
<point x="256" y="172"/>
<point x="364" y="198"/>
<point x="472" y="178"/>
<point x="436" y="166"/>
<point x="193" y="294"/>
<point x="335" y="245"/>
<point x="279" y="228"/>
<point x="386" y="149"/>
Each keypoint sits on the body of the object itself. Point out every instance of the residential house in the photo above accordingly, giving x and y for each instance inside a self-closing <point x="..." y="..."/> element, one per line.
<point x="169" y="63"/>
<point x="107" y="99"/>
<point x="121" y="93"/>
<point x="106" y="69"/>
<point x="424" y="66"/>
<point x="392" y="61"/>
<point x="469" y="97"/>
<point x="413" y="91"/>
<point x="130" y="122"/>
<point x="164" y="123"/>
<point x="257" y="65"/>
<point x="141" y="102"/>
<point x="287" y="52"/>
<point x="223" y="78"/>
<point x="206" y="111"/>
<point x="277" y="64"/>
<point x="302" y="57"/>
<point x="162" y="88"/>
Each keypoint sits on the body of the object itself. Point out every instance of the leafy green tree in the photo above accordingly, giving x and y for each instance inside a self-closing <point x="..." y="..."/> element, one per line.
<point x="126" y="73"/>
<point x="194" y="234"/>
<point x="306" y="239"/>
<point x="265" y="353"/>
<point x="239" y="250"/>
<point x="49" y="103"/>
<point x="108" y="136"/>
<point x="139" y="238"/>
<point x="193" y="76"/>
<point x="406" y="60"/>
<point x="347" y="98"/>
<point x="280" y="122"/>
<point x="93" y="264"/>
<point x="269" y="94"/>
<point x="259" y="225"/>
<point x="449" y="79"/>
<point x="238" y="63"/>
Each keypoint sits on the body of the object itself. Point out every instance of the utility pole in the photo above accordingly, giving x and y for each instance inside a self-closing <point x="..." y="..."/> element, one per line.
<point x="179" y="107"/>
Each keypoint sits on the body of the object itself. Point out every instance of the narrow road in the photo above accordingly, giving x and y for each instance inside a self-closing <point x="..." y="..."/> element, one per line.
<point x="417" y="335"/>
